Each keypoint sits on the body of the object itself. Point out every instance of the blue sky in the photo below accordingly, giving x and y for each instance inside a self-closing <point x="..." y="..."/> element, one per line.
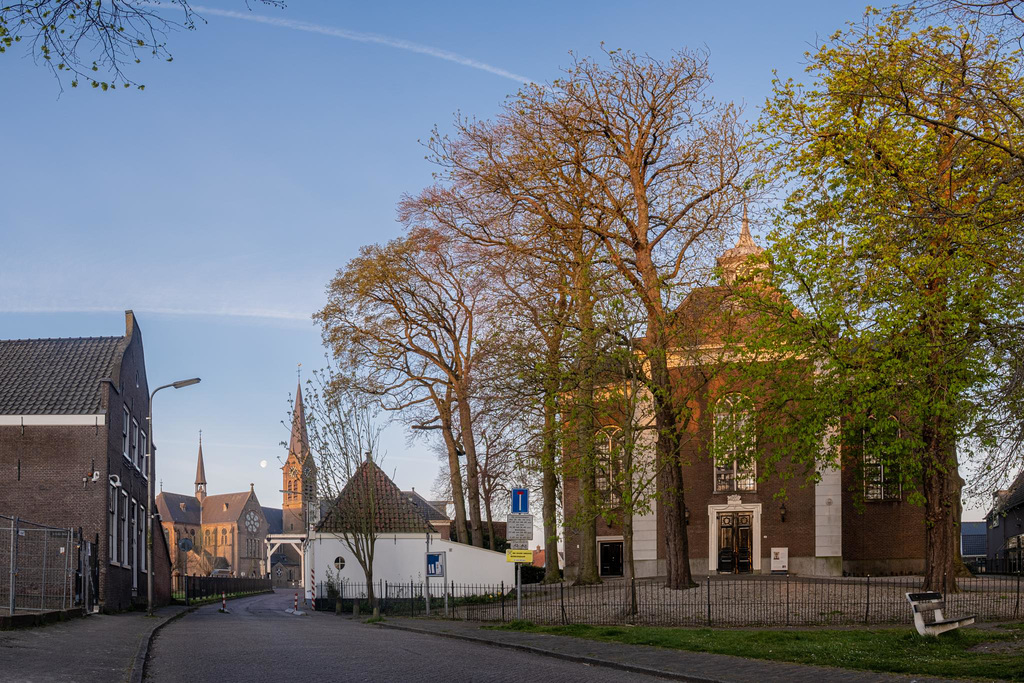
<point x="218" y="203"/>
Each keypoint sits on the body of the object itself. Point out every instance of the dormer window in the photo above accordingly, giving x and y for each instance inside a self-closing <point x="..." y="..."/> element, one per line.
<point x="182" y="506"/>
<point x="225" y="507"/>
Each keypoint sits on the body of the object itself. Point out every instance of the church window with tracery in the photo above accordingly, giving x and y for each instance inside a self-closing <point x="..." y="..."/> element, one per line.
<point x="734" y="444"/>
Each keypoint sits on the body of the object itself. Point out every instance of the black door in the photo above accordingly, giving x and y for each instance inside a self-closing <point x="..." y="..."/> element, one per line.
<point x="611" y="558"/>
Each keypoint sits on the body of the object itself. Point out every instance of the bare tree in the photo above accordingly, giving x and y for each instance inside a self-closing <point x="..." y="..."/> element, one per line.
<point x="410" y="316"/>
<point x="344" y="436"/>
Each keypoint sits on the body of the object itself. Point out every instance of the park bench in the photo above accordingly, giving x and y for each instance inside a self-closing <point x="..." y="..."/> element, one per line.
<point x="928" y="617"/>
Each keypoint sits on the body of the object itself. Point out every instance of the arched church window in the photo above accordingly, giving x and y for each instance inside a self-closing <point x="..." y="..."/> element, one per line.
<point x="880" y="442"/>
<point x="735" y="444"/>
<point x="608" y="465"/>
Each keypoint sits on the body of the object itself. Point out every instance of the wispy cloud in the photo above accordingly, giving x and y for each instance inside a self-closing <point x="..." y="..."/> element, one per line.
<point x="254" y="313"/>
<point x="361" y="37"/>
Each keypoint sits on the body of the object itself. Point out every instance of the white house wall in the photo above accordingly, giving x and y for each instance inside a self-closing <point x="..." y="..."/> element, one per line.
<point x="400" y="559"/>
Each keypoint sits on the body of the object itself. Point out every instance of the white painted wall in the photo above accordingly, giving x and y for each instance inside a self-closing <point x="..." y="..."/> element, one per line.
<point x="400" y="559"/>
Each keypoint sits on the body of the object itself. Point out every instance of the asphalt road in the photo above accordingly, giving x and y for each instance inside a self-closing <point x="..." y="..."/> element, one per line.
<point x="258" y="641"/>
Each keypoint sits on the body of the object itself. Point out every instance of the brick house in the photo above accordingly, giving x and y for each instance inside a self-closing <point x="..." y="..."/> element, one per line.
<point x="73" y="439"/>
<point x="845" y="523"/>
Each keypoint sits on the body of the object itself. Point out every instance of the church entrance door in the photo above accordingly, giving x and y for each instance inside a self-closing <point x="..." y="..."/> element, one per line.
<point x="735" y="542"/>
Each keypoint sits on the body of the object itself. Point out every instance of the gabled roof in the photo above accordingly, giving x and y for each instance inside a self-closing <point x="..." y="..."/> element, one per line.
<point x="1013" y="498"/>
<point x="56" y="376"/>
<point x="393" y="513"/>
<point x="425" y="507"/>
<point x="214" y="511"/>
<point x="275" y="520"/>
<point x="169" y="505"/>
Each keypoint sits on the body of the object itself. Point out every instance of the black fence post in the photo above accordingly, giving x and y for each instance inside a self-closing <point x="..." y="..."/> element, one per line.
<point x="632" y="593"/>
<point x="561" y="591"/>
<point x="412" y="603"/>
<point x="867" y="606"/>
<point x="503" y="601"/>
<point x="1020" y="569"/>
<point x="709" y="599"/>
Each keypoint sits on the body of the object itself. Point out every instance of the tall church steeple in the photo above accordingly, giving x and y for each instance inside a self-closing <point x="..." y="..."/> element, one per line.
<point x="200" y="473"/>
<point x="298" y="473"/>
<point x="732" y="261"/>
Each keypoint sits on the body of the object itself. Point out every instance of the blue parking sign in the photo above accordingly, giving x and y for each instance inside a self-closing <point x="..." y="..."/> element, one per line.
<point x="520" y="501"/>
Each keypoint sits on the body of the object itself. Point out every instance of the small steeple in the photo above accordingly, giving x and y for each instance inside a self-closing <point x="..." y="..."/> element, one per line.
<point x="200" y="472"/>
<point x="731" y="262"/>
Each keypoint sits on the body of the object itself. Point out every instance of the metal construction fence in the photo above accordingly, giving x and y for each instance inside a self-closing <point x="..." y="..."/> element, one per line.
<point x="42" y="567"/>
<point x="189" y="589"/>
<point x="755" y="600"/>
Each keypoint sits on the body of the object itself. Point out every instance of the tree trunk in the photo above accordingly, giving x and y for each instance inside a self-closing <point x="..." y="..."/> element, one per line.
<point x="472" y="466"/>
<point x="454" y="470"/>
<point x="549" y="457"/>
<point x="942" y="502"/>
<point x="585" y="426"/>
<point x="673" y="505"/>
<point x="490" y="523"/>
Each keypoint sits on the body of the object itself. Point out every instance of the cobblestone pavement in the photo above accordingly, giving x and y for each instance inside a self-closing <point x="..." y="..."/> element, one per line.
<point x="258" y="641"/>
<point x="99" y="648"/>
<point x="695" y="666"/>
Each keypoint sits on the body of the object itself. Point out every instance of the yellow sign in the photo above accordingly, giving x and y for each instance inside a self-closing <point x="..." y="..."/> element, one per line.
<point x="519" y="556"/>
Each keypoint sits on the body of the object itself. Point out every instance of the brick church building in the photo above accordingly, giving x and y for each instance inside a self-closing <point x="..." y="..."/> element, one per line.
<point x="845" y="523"/>
<point x="226" y="531"/>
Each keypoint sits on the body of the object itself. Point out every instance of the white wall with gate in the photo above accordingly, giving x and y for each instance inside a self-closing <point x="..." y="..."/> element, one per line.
<point x="401" y="559"/>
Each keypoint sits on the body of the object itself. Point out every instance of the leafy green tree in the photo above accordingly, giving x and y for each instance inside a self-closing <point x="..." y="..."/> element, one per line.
<point x="898" y="255"/>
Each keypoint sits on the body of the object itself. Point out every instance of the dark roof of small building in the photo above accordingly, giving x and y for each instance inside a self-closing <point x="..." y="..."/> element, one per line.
<point x="393" y="513"/>
<point x="275" y="520"/>
<point x="426" y="509"/>
<point x="169" y="505"/>
<point x="224" y="507"/>
<point x="1012" y="499"/>
<point x="56" y="376"/>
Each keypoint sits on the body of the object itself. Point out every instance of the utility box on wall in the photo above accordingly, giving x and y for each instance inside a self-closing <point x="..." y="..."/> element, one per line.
<point x="780" y="560"/>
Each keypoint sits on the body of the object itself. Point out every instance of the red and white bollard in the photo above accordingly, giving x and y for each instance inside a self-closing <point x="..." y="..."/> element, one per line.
<point x="223" y="601"/>
<point x="295" y="607"/>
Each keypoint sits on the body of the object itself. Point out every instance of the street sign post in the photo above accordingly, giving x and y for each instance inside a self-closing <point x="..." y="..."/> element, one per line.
<point x="519" y="556"/>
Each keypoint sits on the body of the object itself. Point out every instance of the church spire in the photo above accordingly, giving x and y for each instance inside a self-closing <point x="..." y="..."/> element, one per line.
<point x="200" y="472"/>
<point x="299" y="442"/>
<point x="732" y="261"/>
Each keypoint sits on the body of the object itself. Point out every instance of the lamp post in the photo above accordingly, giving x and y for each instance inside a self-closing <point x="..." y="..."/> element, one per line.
<point x="151" y="472"/>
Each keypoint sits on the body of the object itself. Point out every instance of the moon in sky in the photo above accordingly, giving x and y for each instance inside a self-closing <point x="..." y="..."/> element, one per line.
<point x="263" y="464"/>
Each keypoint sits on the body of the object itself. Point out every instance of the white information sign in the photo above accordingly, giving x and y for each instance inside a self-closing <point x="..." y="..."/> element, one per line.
<point x="519" y="545"/>
<point x="519" y="527"/>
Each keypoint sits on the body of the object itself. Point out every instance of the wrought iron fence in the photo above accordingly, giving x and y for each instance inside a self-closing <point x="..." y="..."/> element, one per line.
<point x="756" y="600"/>
<point x="43" y="568"/>
<point x="189" y="589"/>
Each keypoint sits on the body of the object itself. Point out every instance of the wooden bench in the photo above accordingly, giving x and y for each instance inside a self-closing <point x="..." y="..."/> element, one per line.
<point x="928" y="614"/>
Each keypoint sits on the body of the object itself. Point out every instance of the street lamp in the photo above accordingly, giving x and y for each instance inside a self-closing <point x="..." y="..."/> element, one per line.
<point x="151" y="472"/>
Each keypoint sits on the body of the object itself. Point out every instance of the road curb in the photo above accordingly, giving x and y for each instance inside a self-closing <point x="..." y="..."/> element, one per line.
<point x="139" y="665"/>
<point x="580" y="659"/>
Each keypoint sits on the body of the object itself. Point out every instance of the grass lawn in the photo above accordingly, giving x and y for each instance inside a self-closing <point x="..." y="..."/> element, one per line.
<point x="897" y="650"/>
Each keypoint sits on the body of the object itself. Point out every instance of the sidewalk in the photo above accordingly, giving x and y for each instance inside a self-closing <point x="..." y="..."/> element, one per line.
<point x="100" y="648"/>
<point x="680" y="665"/>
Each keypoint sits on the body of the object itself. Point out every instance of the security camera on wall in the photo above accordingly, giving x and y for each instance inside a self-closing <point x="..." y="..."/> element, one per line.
<point x="96" y="476"/>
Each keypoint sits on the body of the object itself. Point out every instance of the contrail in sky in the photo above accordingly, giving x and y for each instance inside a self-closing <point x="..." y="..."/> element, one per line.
<point x="361" y="37"/>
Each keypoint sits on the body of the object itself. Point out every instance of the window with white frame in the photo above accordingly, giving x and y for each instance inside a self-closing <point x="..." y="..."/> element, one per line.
<point x="144" y="453"/>
<point x="123" y="553"/>
<point x="608" y="470"/>
<point x="124" y="433"/>
<point x="112" y="545"/>
<point x="133" y="532"/>
<point x="142" y="538"/>
<point x="735" y="444"/>
<point x="881" y="474"/>
<point x="135" y="444"/>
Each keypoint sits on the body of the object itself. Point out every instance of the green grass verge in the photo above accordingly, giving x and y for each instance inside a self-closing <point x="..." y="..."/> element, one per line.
<point x="898" y="650"/>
